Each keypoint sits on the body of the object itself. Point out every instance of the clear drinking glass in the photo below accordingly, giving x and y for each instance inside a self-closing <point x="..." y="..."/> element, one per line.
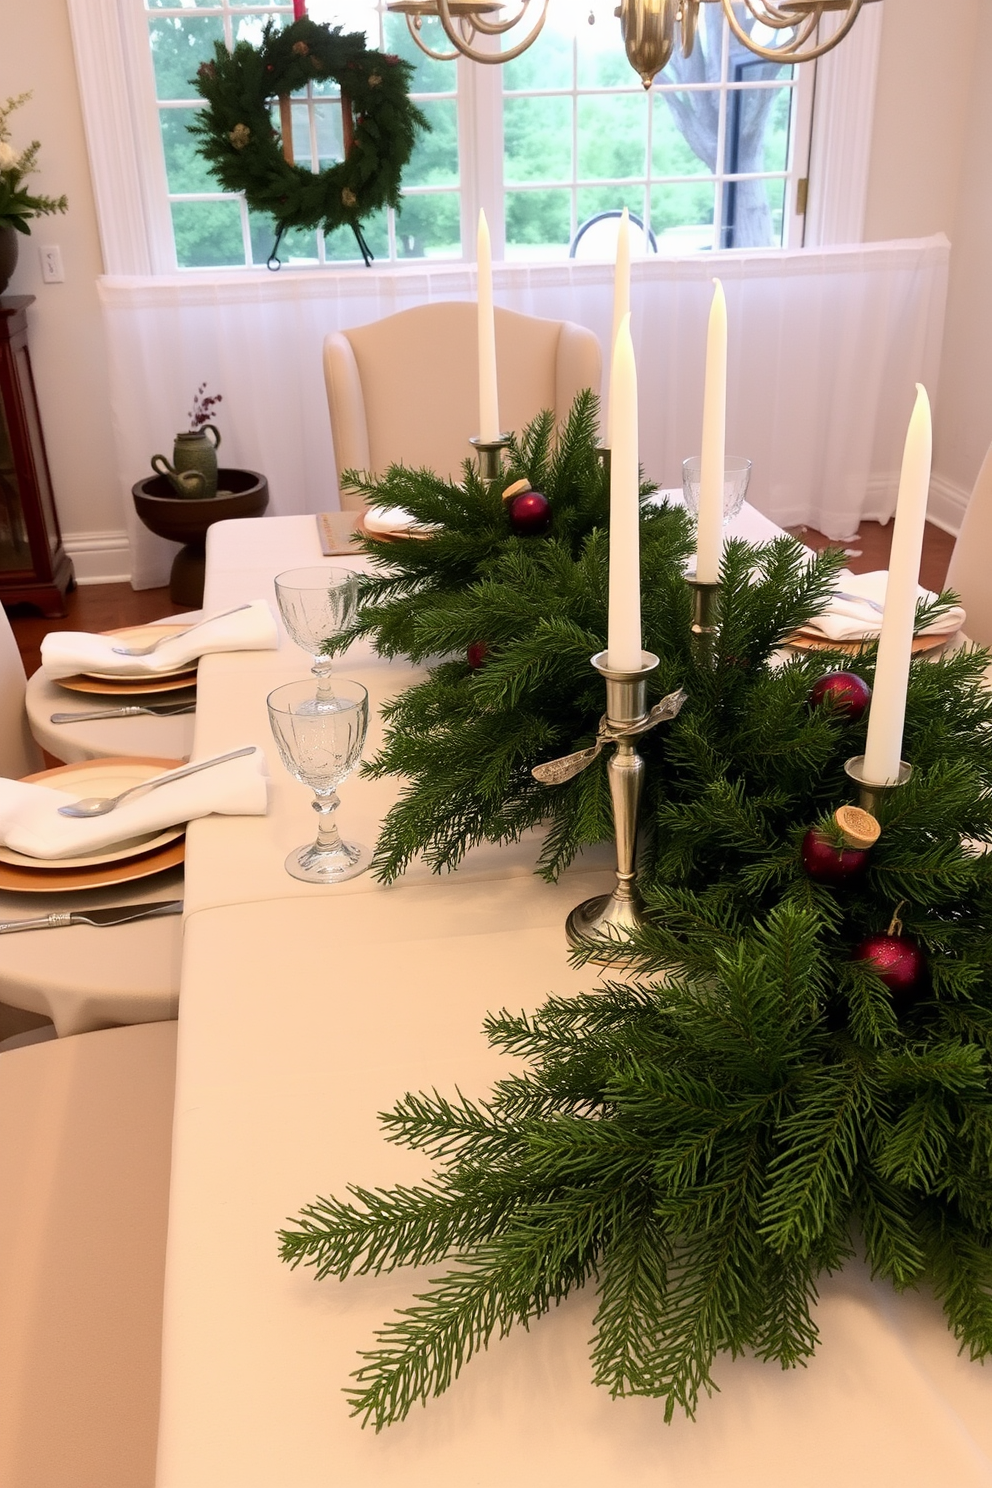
<point x="316" y="603"/>
<point x="736" y="478"/>
<point x="320" y="734"/>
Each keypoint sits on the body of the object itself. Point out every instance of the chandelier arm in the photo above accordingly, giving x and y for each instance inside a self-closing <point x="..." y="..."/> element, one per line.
<point x="499" y="28"/>
<point x="490" y="58"/>
<point x="414" y="31"/>
<point x="791" y="53"/>
<point x="782" y="18"/>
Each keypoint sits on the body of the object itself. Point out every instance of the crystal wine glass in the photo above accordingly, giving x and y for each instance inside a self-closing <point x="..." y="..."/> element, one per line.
<point x="736" y="478"/>
<point x="316" y="603"/>
<point x="320" y="735"/>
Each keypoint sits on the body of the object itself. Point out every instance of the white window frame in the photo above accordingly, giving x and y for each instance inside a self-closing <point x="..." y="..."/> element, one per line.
<point x="116" y="83"/>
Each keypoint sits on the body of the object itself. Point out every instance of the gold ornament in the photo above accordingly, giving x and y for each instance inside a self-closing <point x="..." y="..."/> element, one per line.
<point x="348" y="197"/>
<point x="239" y="136"/>
<point x="375" y="81"/>
<point x="300" y="48"/>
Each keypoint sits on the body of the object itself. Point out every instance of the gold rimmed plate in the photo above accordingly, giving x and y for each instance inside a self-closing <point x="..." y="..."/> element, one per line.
<point x="810" y="640"/>
<point x="140" y="857"/>
<point x="117" y="684"/>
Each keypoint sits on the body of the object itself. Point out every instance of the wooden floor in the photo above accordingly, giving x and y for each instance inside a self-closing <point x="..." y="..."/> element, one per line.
<point x="103" y="606"/>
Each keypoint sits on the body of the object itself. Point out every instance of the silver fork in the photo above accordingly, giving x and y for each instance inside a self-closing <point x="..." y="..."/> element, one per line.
<point x="147" y="650"/>
<point x="132" y="711"/>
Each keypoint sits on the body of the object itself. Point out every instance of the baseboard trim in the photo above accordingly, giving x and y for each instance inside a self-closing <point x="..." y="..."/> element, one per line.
<point x="948" y="504"/>
<point x="99" y="557"/>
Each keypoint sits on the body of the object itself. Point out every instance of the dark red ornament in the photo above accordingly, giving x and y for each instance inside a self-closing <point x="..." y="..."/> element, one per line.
<point x="530" y="514"/>
<point x="849" y="693"/>
<point x="828" y="864"/>
<point x="898" y="960"/>
<point x="476" y="655"/>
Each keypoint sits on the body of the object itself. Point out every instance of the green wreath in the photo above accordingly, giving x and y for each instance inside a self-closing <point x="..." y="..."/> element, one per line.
<point x="244" y="150"/>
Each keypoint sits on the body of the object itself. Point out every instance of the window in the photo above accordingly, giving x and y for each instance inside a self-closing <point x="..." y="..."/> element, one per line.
<point x="708" y="159"/>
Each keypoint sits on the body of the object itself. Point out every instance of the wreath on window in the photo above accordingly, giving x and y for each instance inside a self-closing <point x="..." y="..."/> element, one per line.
<point x="245" y="151"/>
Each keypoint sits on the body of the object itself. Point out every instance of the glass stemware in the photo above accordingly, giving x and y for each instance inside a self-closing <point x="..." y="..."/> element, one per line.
<point x="736" y="478"/>
<point x="319" y="735"/>
<point x="316" y="603"/>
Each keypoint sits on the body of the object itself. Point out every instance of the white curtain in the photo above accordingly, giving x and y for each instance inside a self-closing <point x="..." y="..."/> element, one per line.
<point x="825" y="349"/>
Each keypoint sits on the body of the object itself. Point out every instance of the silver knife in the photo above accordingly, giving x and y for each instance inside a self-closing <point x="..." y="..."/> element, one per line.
<point x="159" y="710"/>
<point x="122" y="914"/>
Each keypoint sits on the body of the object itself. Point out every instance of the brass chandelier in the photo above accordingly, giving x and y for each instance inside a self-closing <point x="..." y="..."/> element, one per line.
<point x="650" y="28"/>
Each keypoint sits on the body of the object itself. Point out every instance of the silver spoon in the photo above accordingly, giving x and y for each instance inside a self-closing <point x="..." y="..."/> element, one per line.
<point x="147" y="650"/>
<point x="100" y="805"/>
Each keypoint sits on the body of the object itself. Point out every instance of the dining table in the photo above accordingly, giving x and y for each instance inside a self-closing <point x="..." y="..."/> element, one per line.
<point x="307" y="1010"/>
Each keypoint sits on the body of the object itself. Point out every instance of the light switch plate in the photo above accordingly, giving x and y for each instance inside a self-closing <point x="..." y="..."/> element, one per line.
<point x="51" y="264"/>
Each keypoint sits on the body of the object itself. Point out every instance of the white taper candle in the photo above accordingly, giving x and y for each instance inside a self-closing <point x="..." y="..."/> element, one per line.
<point x="883" y="749"/>
<point x="709" y="530"/>
<point x="624" y="635"/>
<point x="488" y="397"/>
<point x="621" y="304"/>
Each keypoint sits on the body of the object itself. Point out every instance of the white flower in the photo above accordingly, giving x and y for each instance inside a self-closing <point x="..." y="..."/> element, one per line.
<point x="9" y="157"/>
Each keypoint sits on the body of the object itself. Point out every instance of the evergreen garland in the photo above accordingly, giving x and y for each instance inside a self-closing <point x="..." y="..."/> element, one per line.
<point x="702" y="1140"/>
<point x="236" y="136"/>
<point x="466" y="739"/>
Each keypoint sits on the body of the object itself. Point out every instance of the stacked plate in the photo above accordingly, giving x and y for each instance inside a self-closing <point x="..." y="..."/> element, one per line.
<point x="123" y="862"/>
<point x="124" y="684"/>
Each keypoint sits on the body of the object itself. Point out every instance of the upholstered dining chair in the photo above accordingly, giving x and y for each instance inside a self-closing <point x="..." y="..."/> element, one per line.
<point x="19" y="754"/>
<point x="85" y="1141"/>
<point x="405" y="389"/>
<point x="968" y="571"/>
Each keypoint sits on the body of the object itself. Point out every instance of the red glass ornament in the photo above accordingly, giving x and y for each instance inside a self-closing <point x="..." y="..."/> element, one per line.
<point x="898" y="960"/>
<point x="476" y="654"/>
<point x="828" y="864"/>
<point x="530" y="514"/>
<point x="849" y="693"/>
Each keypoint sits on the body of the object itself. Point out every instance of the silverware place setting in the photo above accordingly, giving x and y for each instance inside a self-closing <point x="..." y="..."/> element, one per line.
<point x="122" y="914"/>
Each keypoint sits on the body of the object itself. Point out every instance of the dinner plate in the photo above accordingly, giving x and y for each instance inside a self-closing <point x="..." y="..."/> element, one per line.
<point x="390" y="523"/>
<point x="124" y="862"/>
<point x="808" y="640"/>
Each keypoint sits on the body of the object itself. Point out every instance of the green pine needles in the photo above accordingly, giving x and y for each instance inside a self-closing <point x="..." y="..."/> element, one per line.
<point x="465" y="740"/>
<point x="704" y="1138"/>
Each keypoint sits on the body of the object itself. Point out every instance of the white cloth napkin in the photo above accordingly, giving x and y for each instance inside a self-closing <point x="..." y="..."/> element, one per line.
<point x="65" y="652"/>
<point x="30" y="822"/>
<point x="394" y="521"/>
<point x="851" y="614"/>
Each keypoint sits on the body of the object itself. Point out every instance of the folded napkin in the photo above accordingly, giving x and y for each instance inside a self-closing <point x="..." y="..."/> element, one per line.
<point x="393" y="521"/>
<point x="65" y="652"/>
<point x="30" y="823"/>
<point x="852" y="614"/>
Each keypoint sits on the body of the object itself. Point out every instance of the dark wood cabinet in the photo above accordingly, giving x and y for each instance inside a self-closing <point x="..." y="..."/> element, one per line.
<point x="34" y="566"/>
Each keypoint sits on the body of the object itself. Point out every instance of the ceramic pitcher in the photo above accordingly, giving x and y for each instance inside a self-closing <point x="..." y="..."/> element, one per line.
<point x="194" y="451"/>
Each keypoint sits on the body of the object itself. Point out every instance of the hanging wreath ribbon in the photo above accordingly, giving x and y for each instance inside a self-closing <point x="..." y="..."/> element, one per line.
<point x="248" y="154"/>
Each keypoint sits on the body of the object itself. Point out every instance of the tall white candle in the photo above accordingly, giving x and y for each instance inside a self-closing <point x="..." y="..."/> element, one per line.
<point x="709" y="530"/>
<point x="883" y="749"/>
<point x="488" y="399"/>
<point x="624" y="636"/>
<point x="621" y="304"/>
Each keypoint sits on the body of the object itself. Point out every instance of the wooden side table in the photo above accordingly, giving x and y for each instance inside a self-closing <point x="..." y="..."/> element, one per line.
<point x="34" y="566"/>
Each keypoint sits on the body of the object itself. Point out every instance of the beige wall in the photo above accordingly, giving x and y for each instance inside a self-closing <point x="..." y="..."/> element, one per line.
<point x="931" y="171"/>
<point x="66" y="336"/>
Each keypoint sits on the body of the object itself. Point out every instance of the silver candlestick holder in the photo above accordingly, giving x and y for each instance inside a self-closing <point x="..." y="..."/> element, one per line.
<point x="705" y="619"/>
<point x="870" y="793"/>
<point x="612" y="917"/>
<point x="490" y="452"/>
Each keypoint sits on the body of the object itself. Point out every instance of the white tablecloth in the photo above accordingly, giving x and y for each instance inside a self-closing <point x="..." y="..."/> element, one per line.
<point x="304" y="1012"/>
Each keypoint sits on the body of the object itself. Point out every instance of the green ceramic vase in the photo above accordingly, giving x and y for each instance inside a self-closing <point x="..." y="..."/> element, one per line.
<point x="194" y="451"/>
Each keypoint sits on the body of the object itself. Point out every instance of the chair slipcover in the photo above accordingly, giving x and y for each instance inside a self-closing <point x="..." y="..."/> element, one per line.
<point x="405" y="389"/>
<point x="85" y="1143"/>
<point x="19" y="754"/>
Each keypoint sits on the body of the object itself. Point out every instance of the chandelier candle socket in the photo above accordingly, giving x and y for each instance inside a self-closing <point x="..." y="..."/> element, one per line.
<point x="623" y="653"/>
<point x="888" y="705"/>
<point x="488" y="397"/>
<point x="709" y="530"/>
<point x="621" y="303"/>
